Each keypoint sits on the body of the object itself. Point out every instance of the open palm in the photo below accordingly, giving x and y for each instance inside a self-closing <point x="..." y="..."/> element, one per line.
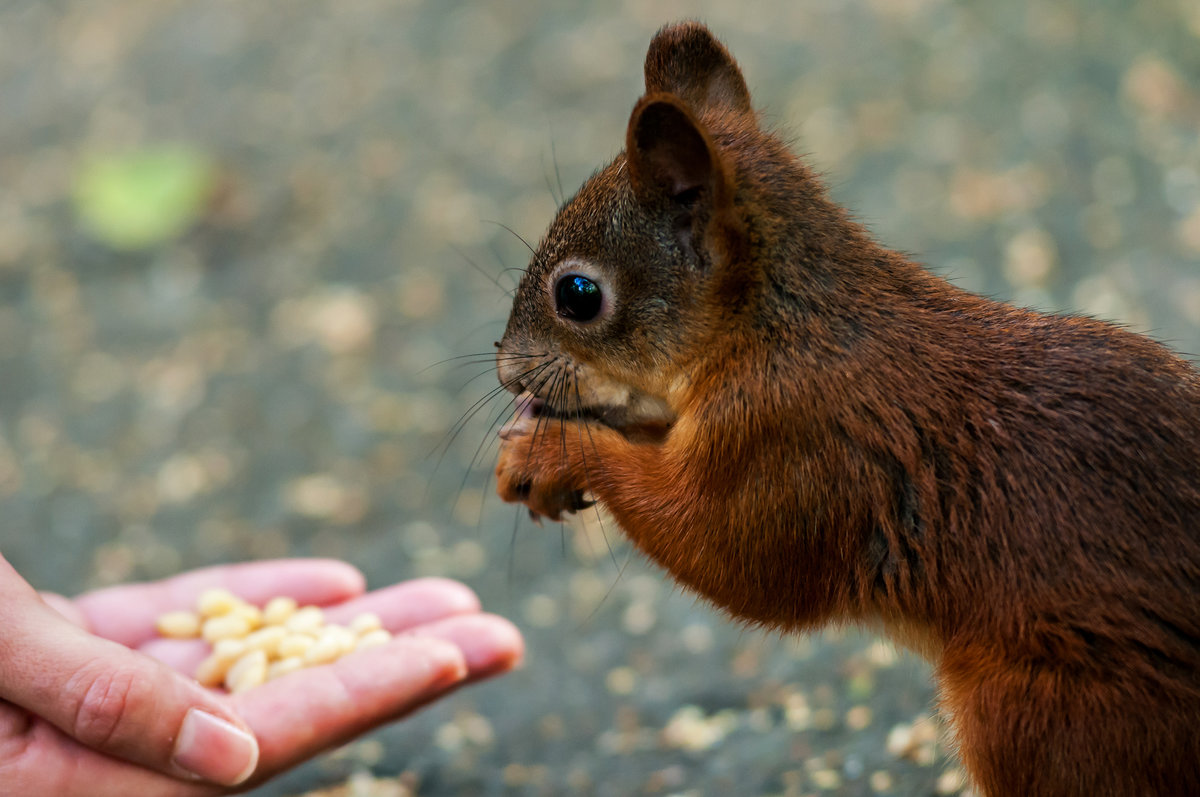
<point x="93" y="702"/>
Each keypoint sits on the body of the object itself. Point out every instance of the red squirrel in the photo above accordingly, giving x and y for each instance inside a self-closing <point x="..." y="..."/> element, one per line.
<point x="805" y="427"/>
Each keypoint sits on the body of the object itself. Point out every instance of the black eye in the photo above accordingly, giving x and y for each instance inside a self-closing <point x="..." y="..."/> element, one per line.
<point x="577" y="298"/>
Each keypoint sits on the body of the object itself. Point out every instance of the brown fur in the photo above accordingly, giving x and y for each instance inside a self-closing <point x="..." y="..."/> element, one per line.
<point x="805" y="427"/>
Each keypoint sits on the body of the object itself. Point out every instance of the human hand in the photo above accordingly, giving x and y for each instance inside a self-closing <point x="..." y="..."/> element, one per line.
<point x="93" y="702"/>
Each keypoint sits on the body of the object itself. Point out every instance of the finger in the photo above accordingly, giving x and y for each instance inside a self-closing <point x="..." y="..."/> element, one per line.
<point x="66" y="607"/>
<point x="408" y="604"/>
<point x="38" y="759"/>
<point x="305" y="712"/>
<point x="110" y="698"/>
<point x="181" y="655"/>
<point x="489" y="643"/>
<point x="400" y="607"/>
<point x="127" y="613"/>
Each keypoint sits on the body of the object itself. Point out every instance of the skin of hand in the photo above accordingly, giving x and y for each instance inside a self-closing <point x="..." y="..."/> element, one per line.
<point x="93" y="702"/>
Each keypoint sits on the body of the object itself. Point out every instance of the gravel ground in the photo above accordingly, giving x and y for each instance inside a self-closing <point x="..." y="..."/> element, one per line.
<point x="267" y="382"/>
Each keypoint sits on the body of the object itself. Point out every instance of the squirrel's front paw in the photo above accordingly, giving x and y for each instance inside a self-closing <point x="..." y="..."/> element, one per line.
<point x="536" y="465"/>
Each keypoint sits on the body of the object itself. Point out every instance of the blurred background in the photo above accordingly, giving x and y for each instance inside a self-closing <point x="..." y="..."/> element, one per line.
<point x="240" y="242"/>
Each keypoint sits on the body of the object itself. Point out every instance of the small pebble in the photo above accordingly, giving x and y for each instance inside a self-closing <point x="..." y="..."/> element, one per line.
<point x="826" y="779"/>
<point x="952" y="781"/>
<point x="858" y="717"/>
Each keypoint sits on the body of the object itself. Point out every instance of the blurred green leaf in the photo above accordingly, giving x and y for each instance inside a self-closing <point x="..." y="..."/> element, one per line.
<point x="140" y="199"/>
<point x="861" y="686"/>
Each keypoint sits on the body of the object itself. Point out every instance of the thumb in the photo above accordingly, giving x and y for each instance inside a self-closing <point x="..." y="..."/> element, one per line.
<point x="113" y="699"/>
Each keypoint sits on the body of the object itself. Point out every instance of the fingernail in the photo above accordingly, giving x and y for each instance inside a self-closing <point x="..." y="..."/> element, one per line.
<point x="214" y="749"/>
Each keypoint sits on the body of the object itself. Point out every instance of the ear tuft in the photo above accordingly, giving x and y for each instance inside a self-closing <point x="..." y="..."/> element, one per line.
<point x="687" y="60"/>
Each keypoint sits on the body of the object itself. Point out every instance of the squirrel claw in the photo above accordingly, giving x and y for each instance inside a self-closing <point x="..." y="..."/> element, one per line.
<point x="578" y="502"/>
<point x="529" y="470"/>
<point x="548" y="502"/>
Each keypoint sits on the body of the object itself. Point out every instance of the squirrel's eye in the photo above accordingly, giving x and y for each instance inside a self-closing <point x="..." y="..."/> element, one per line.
<point x="577" y="298"/>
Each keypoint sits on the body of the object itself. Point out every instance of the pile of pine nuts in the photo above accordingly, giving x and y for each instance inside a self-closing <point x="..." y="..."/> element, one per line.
<point x="250" y="646"/>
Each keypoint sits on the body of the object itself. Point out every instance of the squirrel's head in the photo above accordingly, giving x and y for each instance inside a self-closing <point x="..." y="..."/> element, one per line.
<point x="639" y="267"/>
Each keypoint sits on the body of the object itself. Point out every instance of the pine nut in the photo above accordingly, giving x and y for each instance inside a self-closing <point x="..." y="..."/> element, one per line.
<point x="278" y="610"/>
<point x="223" y="627"/>
<point x="284" y="666"/>
<point x="251" y="645"/>
<point x="295" y="645"/>
<point x="365" y="623"/>
<point x="179" y="625"/>
<point x="373" y="639"/>
<point x="323" y="651"/>
<point x="266" y="639"/>
<point x="247" y="672"/>
<point x="309" y="619"/>
<point x="216" y="602"/>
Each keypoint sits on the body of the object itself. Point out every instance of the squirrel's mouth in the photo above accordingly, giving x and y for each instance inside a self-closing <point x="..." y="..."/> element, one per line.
<point x="642" y="427"/>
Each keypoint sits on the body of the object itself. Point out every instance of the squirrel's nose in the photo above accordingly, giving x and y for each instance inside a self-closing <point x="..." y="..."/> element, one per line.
<point x="511" y="377"/>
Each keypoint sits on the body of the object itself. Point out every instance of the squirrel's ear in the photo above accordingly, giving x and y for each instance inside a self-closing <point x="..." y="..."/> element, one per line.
<point x="686" y="60"/>
<point x="669" y="156"/>
<point x="667" y="152"/>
